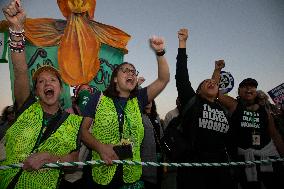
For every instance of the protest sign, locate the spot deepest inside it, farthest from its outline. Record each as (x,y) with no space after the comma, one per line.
(277,95)
(226,82)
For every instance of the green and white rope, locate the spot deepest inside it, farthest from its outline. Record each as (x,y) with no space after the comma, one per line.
(155,164)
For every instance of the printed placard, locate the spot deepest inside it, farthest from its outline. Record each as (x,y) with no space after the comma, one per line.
(277,95)
(226,82)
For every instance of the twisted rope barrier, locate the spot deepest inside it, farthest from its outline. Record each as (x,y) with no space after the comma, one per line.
(155,164)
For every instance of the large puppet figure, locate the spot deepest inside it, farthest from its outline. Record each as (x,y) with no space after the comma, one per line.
(79,39)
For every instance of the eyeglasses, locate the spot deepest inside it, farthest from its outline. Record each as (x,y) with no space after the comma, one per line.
(127,70)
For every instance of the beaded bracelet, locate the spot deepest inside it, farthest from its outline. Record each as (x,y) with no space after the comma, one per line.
(16,46)
(16,33)
(17,49)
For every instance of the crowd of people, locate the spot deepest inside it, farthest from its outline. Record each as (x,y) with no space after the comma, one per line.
(122,123)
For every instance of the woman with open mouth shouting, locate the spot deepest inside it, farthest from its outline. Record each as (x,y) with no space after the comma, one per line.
(117,129)
(42,132)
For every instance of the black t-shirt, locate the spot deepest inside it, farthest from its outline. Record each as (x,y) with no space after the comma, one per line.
(248,125)
(205,124)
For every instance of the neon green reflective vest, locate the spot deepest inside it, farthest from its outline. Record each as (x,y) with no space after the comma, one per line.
(106,129)
(20,140)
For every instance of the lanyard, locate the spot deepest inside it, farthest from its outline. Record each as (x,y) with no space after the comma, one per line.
(253,122)
(45,123)
(127,121)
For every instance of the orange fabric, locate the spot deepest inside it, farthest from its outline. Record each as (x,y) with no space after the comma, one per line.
(110,35)
(79,39)
(67,7)
(78,52)
(43,31)
(3,25)
(48,32)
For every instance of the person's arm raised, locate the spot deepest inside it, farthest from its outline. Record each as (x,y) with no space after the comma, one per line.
(182,37)
(16,16)
(229,102)
(154,89)
(183,84)
(219,65)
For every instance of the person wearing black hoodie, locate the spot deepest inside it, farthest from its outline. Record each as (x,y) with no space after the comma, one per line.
(205,126)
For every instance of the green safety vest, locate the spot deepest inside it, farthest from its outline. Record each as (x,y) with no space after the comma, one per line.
(20,141)
(106,129)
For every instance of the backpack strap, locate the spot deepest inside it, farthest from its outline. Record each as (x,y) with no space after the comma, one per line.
(101,95)
(54,125)
(51,128)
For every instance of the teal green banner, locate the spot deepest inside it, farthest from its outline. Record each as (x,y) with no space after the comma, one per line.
(39,56)
(3,47)
(109,58)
